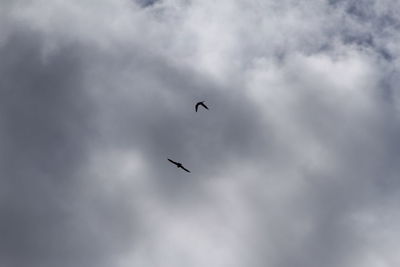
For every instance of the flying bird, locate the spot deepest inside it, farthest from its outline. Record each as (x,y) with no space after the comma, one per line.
(178,165)
(200,104)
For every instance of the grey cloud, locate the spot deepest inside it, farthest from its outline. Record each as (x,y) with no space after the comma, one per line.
(47,217)
(146,3)
(296,156)
(370,24)
(158,118)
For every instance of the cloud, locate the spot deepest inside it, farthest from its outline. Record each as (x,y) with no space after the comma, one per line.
(294,163)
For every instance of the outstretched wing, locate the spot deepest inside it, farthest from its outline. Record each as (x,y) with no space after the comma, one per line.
(197,106)
(204,105)
(176,163)
(185,169)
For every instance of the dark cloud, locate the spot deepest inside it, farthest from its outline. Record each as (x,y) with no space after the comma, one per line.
(156,117)
(295,163)
(48,217)
(146,3)
(368,24)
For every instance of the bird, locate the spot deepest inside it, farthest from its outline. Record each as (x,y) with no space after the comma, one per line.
(200,104)
(178,165)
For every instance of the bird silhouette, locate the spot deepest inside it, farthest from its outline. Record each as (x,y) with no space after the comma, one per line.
(200,104)
(178,165)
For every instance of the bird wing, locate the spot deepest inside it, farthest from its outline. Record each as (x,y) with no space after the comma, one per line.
(185,169)
(204,105)
(176,163)
(197,106)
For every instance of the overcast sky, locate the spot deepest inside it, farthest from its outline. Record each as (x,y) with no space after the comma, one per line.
(297,162)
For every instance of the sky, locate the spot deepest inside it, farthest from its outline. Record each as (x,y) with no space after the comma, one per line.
(296,162)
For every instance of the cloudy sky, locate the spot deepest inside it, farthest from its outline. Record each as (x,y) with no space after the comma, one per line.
(295,164)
